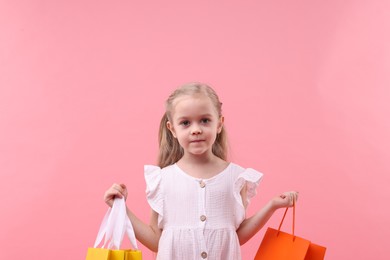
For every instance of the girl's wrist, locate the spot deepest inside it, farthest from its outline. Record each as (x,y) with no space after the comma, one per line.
(272,205)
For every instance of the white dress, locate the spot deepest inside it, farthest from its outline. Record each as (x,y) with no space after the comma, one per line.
(199,217)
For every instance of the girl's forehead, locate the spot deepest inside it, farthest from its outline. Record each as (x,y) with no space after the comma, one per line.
(193,104)
(188,99)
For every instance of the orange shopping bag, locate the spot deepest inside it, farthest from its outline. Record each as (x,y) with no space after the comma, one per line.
(278,245)
(113,228)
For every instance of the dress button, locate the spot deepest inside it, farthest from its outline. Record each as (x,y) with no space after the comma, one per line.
(203,255)
(202,184)
(203,218)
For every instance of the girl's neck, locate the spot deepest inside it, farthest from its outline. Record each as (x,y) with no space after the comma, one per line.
(203,159)
(203,167)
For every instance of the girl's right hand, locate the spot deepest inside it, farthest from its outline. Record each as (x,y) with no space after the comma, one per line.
(286,199)
(115,191)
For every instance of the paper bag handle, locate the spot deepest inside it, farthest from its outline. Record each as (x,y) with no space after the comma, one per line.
(114,226)
(293,222)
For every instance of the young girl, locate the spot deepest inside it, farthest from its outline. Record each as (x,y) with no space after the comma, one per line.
(198,199)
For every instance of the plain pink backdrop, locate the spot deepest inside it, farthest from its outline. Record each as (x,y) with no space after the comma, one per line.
(305,87)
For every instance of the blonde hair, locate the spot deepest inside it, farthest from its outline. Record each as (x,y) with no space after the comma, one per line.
(170,151)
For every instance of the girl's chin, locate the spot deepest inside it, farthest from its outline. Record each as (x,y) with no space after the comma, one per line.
(199,152)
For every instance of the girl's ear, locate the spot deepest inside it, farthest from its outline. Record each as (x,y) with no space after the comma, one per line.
(220,124)
(171,129)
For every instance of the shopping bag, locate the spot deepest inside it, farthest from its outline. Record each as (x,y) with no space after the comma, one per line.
(279,245)
(111,254)
(113,228)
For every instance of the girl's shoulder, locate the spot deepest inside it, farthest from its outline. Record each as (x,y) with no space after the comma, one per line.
(168,169)
(240,167)
(245,172)
(237,168)
(158,171)
(151,167)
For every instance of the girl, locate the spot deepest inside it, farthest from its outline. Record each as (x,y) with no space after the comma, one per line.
(198,199)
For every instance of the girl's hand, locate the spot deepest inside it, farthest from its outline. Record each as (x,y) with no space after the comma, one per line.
(116,190)
(286,199)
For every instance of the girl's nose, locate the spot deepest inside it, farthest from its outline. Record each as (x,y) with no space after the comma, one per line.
(196,130)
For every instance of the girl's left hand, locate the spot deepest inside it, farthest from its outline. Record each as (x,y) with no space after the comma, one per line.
(286,199)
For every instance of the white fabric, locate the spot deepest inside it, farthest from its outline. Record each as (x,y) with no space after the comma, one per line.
(180,201)
(114,226)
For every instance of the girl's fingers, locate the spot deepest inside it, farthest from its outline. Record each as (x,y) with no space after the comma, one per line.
(116,190)
(122,190)
(290,197)
(293,197)
(287,199)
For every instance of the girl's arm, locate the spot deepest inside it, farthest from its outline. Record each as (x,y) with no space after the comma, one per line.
(250,226)
(148,235)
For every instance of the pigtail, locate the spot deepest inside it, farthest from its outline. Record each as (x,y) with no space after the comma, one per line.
(220,146)
(170,151)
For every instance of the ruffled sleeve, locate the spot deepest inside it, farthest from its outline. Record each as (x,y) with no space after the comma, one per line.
(154,194)
(248,179)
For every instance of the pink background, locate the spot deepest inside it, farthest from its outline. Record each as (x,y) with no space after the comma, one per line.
(305,87)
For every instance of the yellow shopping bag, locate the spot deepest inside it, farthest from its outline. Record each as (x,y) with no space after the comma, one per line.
(113,228)
(110,254)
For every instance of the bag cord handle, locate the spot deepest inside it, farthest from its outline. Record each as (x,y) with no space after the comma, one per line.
(293,223)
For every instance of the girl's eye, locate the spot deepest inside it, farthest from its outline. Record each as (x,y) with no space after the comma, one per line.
(205,120)
(185,123)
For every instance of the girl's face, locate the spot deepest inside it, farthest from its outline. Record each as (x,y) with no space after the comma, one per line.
(195,123)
